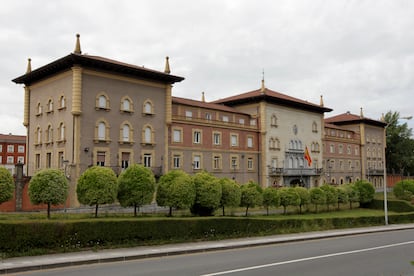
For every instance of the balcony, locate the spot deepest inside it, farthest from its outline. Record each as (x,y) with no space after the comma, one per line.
(294,171)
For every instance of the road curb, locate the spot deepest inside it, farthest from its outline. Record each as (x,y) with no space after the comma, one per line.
(25,264)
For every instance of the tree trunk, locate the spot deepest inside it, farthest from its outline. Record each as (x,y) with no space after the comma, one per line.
(170,212)
(284,210)
(267,210)
(96,210)
(135,210)
(48,210)
(247,210)
(223,211)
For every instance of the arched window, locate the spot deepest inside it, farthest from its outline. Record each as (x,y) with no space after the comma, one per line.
(50,105)
(62,102)
(61,131)
(126,104)
(147,135)
(273,120)
(39,109)
(101,131)
(126,132)
(314,127)
(49,134)
(148,107)
(38,135)
(102,101)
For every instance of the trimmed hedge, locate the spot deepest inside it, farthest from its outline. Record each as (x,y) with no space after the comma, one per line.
(49,236)
(398,206)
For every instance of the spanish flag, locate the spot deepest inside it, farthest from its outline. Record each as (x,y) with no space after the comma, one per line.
(307,157)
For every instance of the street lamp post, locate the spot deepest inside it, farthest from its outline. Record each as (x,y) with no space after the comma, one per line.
(385,173)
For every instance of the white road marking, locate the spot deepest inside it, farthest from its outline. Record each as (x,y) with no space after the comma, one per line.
(307,259)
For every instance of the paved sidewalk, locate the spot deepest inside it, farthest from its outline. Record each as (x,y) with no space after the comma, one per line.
(20,264)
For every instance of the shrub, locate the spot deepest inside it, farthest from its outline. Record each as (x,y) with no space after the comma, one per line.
(208,194)
(230,193)
(136,186)
(48,186)
(270,198)
(404,189)
(175,190)
(366,191)
(6,185)
(97,185)
(251,195)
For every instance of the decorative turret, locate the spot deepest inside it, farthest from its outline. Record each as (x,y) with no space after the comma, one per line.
(77,46)
(203,99)
(29,65)
(321,101)
(167,65)
(263,88)
(361,113)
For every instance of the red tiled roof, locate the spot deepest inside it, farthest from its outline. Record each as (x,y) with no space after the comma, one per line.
(271,96)
(97,62)
(208,105)
(11,137)
(348,118)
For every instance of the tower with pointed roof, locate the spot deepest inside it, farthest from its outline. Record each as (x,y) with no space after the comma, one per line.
(83,110)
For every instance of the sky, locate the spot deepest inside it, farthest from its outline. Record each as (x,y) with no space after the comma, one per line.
(356,53)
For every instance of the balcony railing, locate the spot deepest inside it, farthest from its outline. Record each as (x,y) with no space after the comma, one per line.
(294,171)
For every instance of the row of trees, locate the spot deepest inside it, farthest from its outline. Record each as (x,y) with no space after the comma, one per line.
(202,193)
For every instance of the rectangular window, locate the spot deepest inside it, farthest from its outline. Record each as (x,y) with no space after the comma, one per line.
(48,160)
(208,116)
(341,149)
(1,148)
(196,162)
(147,160)
(241,121)
(234,163)
(249,142)
(125,160)
(20,159)
(233,140)
(216,138)
(10,148)
(197,137)
(188,114)
(20,149)
(60,159)
(176,136)
(253,122)
(176,161)
(216,162)
(10,160)
(225,118)
(100,158)
(331,148)
(250,163)
(37,161)
(356,150)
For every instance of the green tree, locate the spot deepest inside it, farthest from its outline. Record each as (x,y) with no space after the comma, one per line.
(251,195)
(230,193)
(366,192)
(6,185)
(353,193)
(270,198)
(175,190)
(342,196)
(96,186)
(136,187)
(317,197)
(304,197)
(404,189)
(331,194)
(288,197)
(208,194)
(399,154)
(48,186)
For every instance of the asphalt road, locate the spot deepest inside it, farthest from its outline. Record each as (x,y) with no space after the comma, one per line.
(384,253)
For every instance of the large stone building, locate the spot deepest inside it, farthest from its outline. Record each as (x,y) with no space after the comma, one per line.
(83,110)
